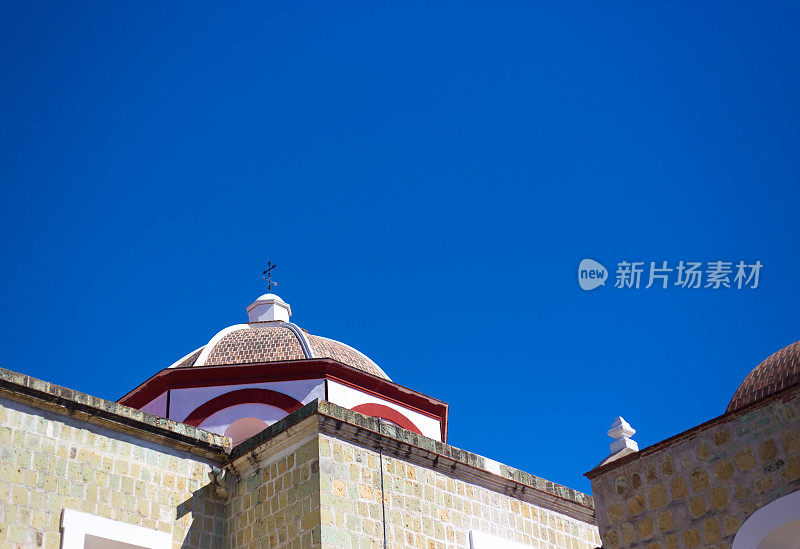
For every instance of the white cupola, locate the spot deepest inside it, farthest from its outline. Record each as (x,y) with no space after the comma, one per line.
(269,308)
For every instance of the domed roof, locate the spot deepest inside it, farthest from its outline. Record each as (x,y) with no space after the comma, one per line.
(778,371)
(273,341)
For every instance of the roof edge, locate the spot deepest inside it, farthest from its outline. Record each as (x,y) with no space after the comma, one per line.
(117,417)
(334,420)
(208,348)
(604,466)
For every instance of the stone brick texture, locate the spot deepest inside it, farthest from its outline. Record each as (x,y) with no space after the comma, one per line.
(276,504)
(698,490)
(425,508)
(51,462)
(293,486)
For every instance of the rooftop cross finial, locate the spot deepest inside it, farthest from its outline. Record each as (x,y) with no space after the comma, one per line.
(267,275)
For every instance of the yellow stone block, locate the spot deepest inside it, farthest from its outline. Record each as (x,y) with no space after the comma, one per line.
(678,486)
(340,488)
(745,460)
(646,528)
(722,437)
(792,470)
(672,541)
(731,523)
(628,534)
(657,494)
(711,527)
(611,538)
(40,462)
(697,506)
(767,450)
(19,495)
(762,484)
(699,480)
(665,521)
(719,497)
(692,538)
(636,505)
(29,479)
(614,512)
(791,442)
(723,469)
(703,451)
(14,475)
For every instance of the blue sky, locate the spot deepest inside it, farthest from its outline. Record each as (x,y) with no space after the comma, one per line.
(428,177)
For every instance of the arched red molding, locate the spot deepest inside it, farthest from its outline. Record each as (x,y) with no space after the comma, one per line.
(242,396)
(389,414)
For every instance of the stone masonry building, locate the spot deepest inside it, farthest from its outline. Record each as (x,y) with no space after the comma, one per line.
(733,481)
(266,437)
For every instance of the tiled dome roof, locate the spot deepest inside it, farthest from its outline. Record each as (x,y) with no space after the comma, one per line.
(274,342)
(328,348)
(250,345)
(778,371)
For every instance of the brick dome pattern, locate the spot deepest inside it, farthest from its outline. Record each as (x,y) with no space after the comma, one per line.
(274,344)
(323,347)
(252,345)
(777,372)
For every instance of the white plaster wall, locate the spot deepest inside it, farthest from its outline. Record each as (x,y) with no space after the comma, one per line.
(773,526)
(157,406)
(482,540)
(184,401)
(349,398)
(218,422)
(84,531)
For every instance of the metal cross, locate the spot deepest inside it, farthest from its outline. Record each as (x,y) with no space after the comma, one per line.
(267,275)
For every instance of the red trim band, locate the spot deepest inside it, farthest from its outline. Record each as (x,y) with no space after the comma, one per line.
(242,396)
(208,376)
(390,414)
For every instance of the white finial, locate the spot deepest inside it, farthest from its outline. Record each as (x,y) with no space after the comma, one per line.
(621,431)
(268,308)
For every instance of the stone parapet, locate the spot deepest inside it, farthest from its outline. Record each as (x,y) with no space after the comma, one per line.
(112,415)
(423,451)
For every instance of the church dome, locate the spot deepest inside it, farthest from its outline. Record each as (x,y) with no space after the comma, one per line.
(270,337)
(777,372)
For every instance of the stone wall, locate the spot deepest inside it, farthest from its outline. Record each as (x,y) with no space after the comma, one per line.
(697,489)
(312,479)
(426,508)
(50,462)
(274,493)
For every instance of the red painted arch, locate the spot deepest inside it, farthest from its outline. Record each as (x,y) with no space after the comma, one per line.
(263,372)
(390,414)
(242,396)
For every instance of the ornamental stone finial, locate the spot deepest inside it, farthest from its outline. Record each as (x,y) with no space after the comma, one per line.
(621,431)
